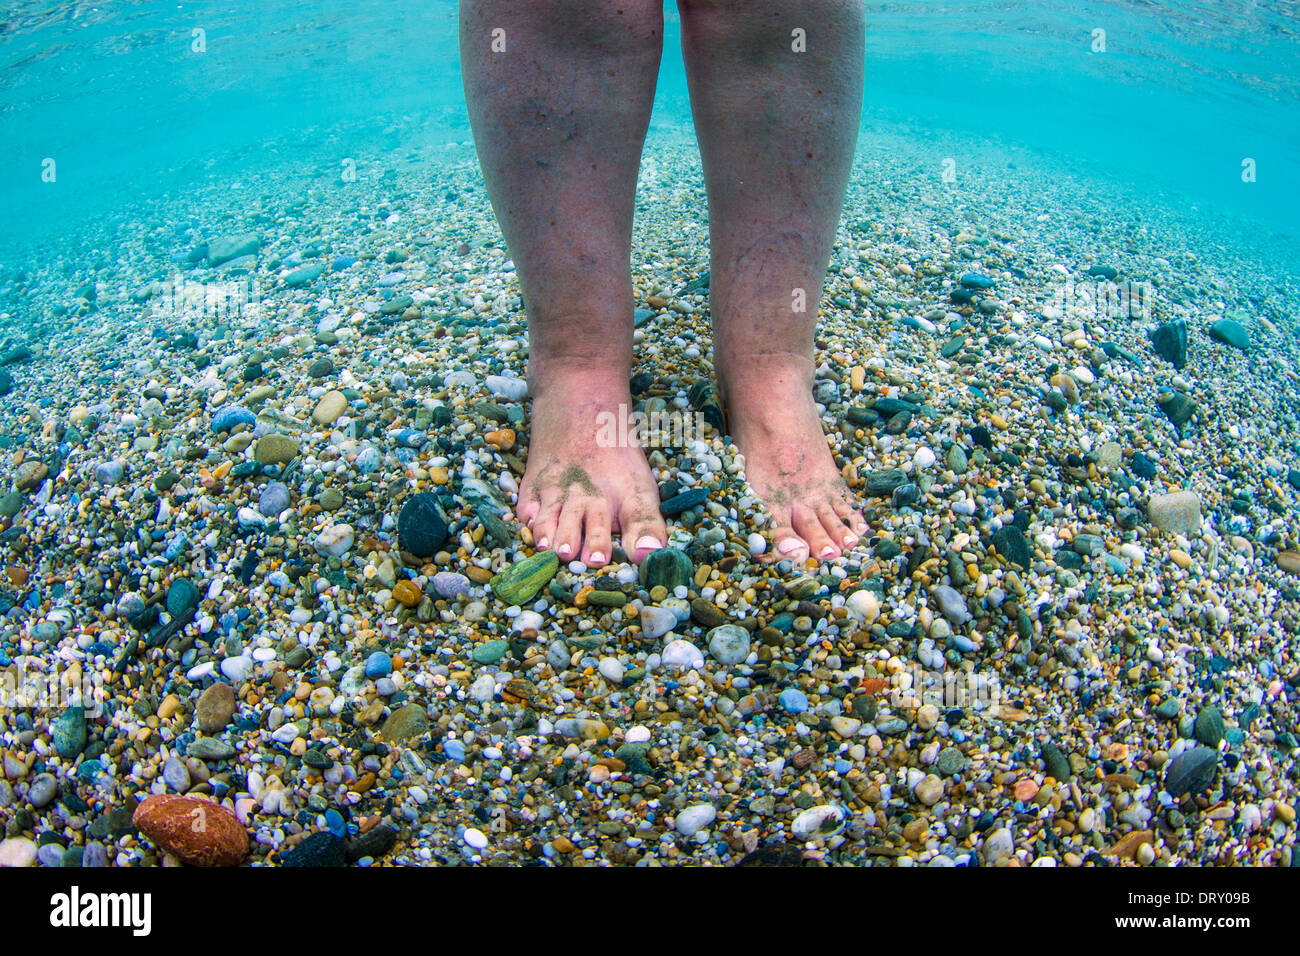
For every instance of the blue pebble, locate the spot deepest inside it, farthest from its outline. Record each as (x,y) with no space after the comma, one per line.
(378,665)
(95,856)
(335,824)
(793,701)
(842,766)
(385,687)
(50,855)
(454,749)
(176,546)
(410,438)
(963,643)
(109,472)
(232,416)
(273,499)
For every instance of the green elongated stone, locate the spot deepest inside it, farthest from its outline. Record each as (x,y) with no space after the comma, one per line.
(489,652)
(607,598)
(520,582)
(667,566)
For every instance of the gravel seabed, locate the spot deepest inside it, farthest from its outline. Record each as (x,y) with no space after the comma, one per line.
(1121,694)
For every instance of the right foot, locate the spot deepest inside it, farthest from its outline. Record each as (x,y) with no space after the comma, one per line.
(575,492)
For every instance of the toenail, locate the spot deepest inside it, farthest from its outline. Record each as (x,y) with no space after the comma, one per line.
(597,557)
(563,550)
(828,551)
(790,546)
(850,540)
(543,542)
(647,543)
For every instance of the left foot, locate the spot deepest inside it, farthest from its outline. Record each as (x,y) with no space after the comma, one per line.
(773,418)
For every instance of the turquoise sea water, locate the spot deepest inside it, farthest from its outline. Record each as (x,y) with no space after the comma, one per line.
(138,100)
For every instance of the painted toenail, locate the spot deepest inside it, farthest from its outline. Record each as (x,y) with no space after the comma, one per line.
(790,546)
(597,557)
(850,540)
(828,552)
(563,550)
(648,543)
(543,542)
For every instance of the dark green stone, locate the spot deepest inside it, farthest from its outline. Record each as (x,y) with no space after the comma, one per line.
(1055,762)
(1192,771)
(881,484)
(1010,542)
(667,567)
(69,732)
(1209,728)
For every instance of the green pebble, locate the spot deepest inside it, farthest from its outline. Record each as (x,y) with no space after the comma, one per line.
(489,652)
(519,583)
(1209,727)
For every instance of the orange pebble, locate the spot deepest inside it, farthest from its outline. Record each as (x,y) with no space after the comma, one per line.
(503,439)
(1026,790)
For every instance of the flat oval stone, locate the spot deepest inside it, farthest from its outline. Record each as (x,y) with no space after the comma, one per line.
(209,748)
(421,527)
(489,652)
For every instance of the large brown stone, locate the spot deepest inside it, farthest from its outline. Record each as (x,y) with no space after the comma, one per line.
(197,832)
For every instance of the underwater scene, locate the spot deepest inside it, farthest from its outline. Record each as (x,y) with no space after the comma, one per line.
(632,434)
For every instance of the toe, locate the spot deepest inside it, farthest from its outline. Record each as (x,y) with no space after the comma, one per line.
(596,535)
(641,528)
(851,517)
(786,543)
(835,527)
(545,522)
(528,505)
(808,526)
(568,530)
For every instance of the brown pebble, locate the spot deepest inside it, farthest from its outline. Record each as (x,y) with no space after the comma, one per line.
(197,832)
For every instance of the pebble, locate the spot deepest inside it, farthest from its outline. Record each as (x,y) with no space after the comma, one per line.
(17,851)
(695,818)
(197,832)
(682,654)
(728,644)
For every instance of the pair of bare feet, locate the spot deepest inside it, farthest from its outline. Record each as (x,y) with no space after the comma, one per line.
(577,494)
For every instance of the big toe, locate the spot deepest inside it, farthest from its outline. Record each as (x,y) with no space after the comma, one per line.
(641,527)
(787,543)
(809,527)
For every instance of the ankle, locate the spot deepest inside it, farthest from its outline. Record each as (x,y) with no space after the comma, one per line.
(575,379)
(755,376)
